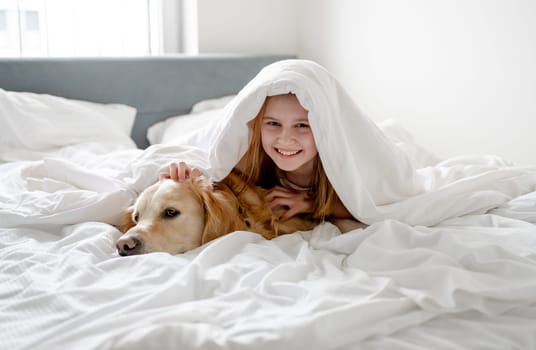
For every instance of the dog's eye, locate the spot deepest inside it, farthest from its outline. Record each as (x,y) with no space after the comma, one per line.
(170,213)
(135,217)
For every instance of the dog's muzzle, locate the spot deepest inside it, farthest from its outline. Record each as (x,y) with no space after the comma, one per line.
(129,245)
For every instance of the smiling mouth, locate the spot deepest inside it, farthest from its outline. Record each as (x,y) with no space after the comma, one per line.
(287,153)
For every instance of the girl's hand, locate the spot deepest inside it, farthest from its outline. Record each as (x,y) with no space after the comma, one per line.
(296,201)
(180,172)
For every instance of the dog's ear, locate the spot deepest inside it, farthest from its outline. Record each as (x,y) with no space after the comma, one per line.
(126,221)
(220,214)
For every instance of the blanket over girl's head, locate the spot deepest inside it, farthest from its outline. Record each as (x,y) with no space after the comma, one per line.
(374,177)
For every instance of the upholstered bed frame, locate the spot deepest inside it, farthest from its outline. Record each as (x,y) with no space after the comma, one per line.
(157,86)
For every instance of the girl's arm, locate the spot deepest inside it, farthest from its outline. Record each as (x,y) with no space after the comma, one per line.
(296,202)
(301,202)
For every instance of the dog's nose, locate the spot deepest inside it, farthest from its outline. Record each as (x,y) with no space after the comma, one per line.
(128,246)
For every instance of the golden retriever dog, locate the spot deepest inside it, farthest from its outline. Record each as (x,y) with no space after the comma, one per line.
(176,217)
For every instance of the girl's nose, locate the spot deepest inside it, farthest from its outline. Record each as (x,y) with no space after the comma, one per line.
(286,136)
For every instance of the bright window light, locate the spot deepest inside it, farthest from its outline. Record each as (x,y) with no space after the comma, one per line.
(68,28)
(3,22)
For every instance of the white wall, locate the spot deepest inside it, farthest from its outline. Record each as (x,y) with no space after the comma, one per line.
(247,26)
(459,74)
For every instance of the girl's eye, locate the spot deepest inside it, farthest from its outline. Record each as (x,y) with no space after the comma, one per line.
(272,123)
(302,125)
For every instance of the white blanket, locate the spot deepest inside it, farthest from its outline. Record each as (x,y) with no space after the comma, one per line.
(374,177)
(467,283)
(464,283)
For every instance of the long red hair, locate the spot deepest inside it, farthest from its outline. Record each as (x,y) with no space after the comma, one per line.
(257,167)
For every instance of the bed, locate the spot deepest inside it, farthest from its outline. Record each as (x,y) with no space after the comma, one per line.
(464,283)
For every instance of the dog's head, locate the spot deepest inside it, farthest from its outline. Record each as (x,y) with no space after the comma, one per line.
(175,217)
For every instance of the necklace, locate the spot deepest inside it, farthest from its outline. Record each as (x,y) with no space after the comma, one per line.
(289,184)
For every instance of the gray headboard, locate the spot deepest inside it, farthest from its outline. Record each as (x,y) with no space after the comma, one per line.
(157,86)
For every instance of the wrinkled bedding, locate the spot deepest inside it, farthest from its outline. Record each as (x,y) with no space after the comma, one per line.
(466,282)
(452,268)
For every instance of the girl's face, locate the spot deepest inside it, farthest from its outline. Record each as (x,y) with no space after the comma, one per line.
(286,135)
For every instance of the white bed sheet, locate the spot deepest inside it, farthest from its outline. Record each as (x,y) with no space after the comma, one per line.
(465,283)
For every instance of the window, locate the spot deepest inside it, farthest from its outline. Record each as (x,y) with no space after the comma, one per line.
(31,21)
(3,23)
(81,27)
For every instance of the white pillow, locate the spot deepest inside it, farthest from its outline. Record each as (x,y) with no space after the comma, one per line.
(36,124)
(180,128)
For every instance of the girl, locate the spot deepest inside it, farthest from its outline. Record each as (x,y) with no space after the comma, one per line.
(282,157)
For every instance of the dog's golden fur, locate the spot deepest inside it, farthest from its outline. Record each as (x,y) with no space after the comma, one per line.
(175,217)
